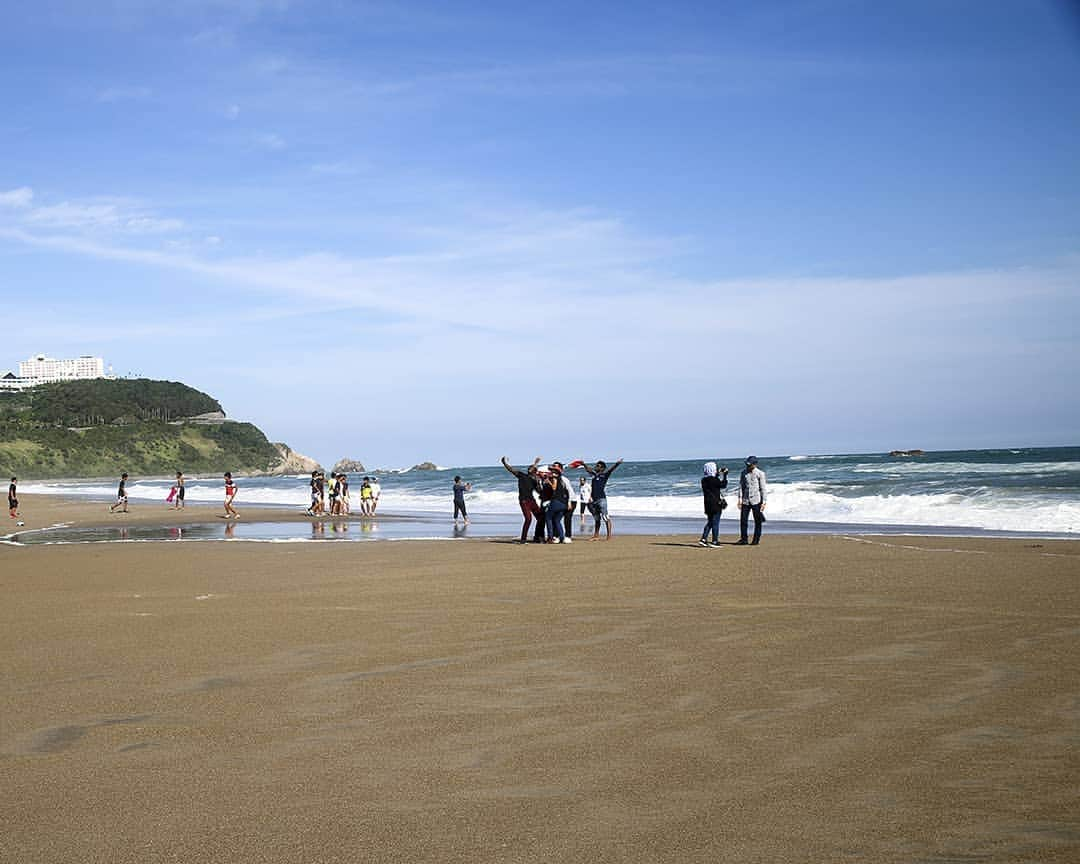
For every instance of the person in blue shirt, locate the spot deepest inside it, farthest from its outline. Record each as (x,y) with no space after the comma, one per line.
(600,474)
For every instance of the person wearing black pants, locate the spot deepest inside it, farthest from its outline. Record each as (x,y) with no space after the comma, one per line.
(752,491)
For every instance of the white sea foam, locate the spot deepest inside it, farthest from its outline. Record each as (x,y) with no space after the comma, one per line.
(1019,469)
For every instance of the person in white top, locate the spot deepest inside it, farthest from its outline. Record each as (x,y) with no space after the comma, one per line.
(376,491)
(584,497)
(752,492)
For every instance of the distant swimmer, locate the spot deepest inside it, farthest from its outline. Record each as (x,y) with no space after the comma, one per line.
(460,488)
(13,499)
(121,495)
(600,476)
(752,491)
(713,484)
(230,496)
(528,484)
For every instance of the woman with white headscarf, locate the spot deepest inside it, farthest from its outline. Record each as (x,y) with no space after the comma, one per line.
(712,487)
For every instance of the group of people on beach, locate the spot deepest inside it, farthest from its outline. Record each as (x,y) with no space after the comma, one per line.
(547,495)
(177,493)
(752,494)
(337,490)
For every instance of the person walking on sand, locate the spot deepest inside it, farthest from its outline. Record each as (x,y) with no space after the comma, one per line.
(230,496)
(316,505)
(713,485)
(600,475)
(752,492)
(527,486)
(460,488)
(121,495)
(178,502)
(13,499)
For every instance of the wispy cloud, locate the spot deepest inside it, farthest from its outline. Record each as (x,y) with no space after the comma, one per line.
(17,198)
(107,216)
(125,94)
(270,141)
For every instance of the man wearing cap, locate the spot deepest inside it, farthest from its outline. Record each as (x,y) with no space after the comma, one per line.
(752,493)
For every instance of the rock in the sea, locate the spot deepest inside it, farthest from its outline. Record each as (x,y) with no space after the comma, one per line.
(425,466)
(292,462)
(348,466)
(907,452)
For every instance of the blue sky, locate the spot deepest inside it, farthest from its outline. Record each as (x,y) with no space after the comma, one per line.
(449,231)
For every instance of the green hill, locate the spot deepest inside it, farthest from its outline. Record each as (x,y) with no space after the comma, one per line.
(100,427)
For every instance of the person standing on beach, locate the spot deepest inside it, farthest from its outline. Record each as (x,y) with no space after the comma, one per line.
(365,497)
(121,495)
(527,486)
(230,496)
(13,499)
(178,503)
(600,475)
(316,506)
(584,498)
(558,506)
(376,491)
(712,487)
(752,491)
(460,488)
(333,494)
(343,493)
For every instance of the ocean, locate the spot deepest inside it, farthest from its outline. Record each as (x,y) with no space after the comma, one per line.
(1015,490)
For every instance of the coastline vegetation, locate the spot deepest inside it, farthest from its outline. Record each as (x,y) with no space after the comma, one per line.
(97,428)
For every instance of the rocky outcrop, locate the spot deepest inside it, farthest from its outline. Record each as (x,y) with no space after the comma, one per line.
(292,462)
(907,452)
(349,466)
(425,466)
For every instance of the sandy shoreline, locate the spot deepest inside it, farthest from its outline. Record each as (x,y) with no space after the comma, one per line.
(816,698)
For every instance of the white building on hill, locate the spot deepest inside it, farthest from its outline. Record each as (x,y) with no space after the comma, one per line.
(47,370)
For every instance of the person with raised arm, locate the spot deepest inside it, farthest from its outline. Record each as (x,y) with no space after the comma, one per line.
(527,486)
(600,473)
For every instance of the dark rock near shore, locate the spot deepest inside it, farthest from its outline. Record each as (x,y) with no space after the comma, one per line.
(348,466)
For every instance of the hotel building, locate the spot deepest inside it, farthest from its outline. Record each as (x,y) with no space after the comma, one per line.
(47,370)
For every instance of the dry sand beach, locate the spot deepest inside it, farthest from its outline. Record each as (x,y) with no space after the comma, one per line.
(814,699)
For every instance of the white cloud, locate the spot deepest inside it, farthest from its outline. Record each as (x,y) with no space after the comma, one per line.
(17,198)
(115,216)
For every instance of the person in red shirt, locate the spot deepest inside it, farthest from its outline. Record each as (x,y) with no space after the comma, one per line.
(230,494)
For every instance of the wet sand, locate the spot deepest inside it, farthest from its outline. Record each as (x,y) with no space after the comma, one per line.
(813,699)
